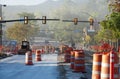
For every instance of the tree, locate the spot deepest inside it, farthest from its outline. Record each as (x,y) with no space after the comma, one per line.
(30,16)
(111,25)
(114,5)
(87,39)
(19,32)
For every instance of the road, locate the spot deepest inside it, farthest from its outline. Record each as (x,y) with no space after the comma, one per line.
(49,68)
(14,68)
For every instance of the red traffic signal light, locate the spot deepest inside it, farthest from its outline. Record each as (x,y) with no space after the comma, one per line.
(75,21)
(25,19)
(43,19)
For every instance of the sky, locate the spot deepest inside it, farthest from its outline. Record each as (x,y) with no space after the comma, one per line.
(22,2)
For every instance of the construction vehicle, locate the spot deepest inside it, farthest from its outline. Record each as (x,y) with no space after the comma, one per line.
(24,48)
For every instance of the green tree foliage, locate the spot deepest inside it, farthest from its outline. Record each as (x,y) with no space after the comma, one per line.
(87,38)
(19,32)
(112,23)
(103,34)
(110,27)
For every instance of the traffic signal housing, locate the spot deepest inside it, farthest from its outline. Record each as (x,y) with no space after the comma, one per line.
(25,19)
(75,21)
(43,19)
(91,21)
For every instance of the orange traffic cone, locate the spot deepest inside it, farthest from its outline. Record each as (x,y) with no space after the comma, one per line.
(38,55)
(28,60)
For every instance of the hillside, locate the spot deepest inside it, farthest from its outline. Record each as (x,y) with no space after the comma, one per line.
(86,8)
(11,12)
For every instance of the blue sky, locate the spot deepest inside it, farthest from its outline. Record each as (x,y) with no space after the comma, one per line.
(22,2)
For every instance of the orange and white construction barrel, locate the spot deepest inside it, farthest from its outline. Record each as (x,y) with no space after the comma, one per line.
(114,65)
(79,62)
(105,66)
(96,68)
(28,58)
(38,55)
(67,56)
(72,59)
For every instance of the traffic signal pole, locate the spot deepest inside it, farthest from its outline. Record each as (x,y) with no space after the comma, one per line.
(75,20)
(0,24)
(4,21)
(0,34)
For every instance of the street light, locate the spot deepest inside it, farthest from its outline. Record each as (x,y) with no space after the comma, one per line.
(1,10)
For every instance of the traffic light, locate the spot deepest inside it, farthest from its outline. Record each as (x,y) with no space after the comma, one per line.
(75,21)
(25,19)
(43,19)
(91,21)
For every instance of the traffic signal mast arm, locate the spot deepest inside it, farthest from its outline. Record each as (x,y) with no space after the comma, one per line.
(4,21)
(75,20)
(44,19)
